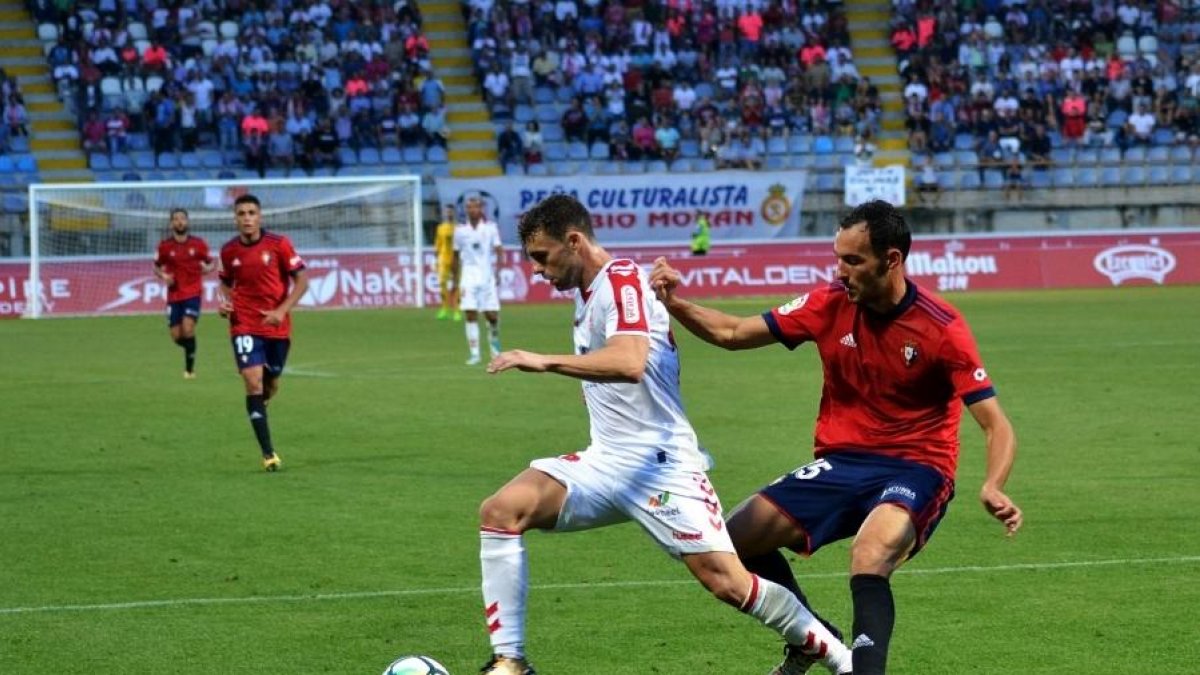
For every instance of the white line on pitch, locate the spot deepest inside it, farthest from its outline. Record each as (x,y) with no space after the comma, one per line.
(179,602)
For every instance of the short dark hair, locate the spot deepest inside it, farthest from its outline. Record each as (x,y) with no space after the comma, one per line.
(247,199)
(554,216)
(178,209)
(885,225)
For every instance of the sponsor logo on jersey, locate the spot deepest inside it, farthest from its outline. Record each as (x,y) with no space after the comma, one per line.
(980,374)
(1134,261)
(687,536)
(848,340)
(631,306)
(659,499)
(794,305)
(910,353)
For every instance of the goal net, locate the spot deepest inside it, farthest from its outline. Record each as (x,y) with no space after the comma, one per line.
(91,246)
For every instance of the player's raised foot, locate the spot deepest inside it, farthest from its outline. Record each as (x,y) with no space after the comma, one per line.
(272,463)
(502,665)
(443,314)
(795,662)
(473,361)
(189,375)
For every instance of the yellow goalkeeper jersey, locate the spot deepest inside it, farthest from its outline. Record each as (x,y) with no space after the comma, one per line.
(444,245)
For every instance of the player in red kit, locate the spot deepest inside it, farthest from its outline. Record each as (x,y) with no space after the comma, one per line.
(899,365)
(181,262)
(262,278)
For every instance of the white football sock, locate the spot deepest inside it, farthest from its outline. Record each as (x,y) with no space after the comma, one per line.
(473,338)
(776,607)
(505,585)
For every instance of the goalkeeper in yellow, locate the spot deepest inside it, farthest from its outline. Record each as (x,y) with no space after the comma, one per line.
(444,245)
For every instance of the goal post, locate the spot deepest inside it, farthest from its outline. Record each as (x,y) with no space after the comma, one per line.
(91,245)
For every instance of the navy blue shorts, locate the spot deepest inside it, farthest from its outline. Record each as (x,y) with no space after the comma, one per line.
(177,310)
(830,498)
(270,353)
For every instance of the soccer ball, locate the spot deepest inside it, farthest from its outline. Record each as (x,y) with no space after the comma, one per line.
(416,665)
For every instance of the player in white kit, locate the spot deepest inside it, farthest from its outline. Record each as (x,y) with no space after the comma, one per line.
(477,257)
(643,462)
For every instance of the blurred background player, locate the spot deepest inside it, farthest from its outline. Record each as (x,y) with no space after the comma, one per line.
(642,447)
(443,241)
(899,366)
(257,268)
(477,257)
(181,262)
(702,235)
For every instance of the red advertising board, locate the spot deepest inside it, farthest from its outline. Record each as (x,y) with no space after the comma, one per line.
(388,279)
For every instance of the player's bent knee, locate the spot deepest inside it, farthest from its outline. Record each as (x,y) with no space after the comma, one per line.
(872,557)
(720,577)
(502,513)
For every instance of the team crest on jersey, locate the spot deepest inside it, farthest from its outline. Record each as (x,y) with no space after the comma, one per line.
(191,253)
(794,305)
(237,262)
(910,353)
(622,268)
(266,258)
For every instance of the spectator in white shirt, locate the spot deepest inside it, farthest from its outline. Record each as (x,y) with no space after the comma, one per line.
(1140,126)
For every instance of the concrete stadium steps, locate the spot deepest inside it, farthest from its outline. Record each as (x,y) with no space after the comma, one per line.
(472,146)
(53,132)
(869,22)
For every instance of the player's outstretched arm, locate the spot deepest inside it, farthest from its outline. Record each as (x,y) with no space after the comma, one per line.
(712,326)
(621,359)
(1001,453)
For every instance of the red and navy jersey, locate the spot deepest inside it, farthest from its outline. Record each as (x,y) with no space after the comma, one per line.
(260,275)
(182,260)
(894,382)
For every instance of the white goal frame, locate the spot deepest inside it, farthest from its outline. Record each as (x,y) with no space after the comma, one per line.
(34,299)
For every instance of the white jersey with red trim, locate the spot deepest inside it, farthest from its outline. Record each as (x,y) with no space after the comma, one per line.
(643,420)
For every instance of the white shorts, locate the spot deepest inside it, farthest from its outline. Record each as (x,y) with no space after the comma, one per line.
(480,297)
(678,507)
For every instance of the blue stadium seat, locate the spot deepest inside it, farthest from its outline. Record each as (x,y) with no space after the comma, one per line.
(391,155)
(778,162)
(1181,174)
(543,95)
(993,179)
(777,145)
(1062,155)
(825,162)
(168,160)
(369,156)
(944,160)
(577,150)
(829,182)
(348,156)
(138,141)
(143,160)
(211,159)
(1087,156)
(439,170)
(1135,153)
(178,175)
(514,169)
(134,177)
(554,152)
(948,180)
(823,145)
(121,161)
(564,168)
(564,94)
(1158,175)
(9,181)
(599,150)
(547,113)
(189,160)
(16,202)
(552,133)
(18,144)
(704,90)
(1158,154)
(689,148)
(1110,156)
(1063,177)
(1039,179)
(523,114)
(1085,176)
(1162,136)
(843,144)
(1135,175)
(964,142)
(225,174)
(1110,176)
(966,158)
(1117,119)
(538,170)
(704,164)
(681,165)
(98,161)
(634,167)
(413,155)
(800,143)
(608,168)
(26,163)
(1181,154)
(436,154)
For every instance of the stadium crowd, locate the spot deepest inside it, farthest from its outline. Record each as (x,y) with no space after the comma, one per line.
(654,80)
(1036,83)
(284,84)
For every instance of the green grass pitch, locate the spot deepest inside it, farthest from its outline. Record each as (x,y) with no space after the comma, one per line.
(139,535)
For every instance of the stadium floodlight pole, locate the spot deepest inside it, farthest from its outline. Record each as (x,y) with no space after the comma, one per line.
(384,214)
(33,296)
